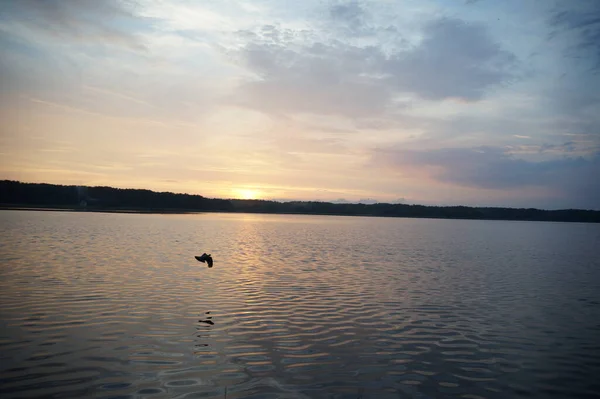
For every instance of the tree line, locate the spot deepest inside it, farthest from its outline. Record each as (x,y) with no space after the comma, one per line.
(19,194)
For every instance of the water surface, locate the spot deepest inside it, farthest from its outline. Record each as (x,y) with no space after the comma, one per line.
(115,305)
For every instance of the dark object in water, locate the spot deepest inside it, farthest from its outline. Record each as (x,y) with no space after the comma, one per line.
(205,258)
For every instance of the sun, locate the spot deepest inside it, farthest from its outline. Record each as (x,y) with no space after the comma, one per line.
(245,193)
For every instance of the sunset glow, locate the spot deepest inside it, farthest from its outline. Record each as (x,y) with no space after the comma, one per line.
(247,194)
(470,102)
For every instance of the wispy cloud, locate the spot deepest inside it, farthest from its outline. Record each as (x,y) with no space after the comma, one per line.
(81,21)
(116,95)
(582,21)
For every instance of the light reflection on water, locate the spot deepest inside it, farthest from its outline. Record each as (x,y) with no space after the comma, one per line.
(114,305)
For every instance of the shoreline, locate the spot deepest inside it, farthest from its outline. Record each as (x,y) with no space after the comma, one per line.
(195,212)
(98,210)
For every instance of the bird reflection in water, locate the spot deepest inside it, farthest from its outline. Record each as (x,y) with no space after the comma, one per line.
(208,320)
(203,324)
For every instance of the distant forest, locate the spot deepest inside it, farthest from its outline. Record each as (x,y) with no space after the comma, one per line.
(14,194)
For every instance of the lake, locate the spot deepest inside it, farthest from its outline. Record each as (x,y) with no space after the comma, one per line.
(115,306)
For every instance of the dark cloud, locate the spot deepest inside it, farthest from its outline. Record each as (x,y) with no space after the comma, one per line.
(351,17)
(454,60)
(567,147)
(83,21)
(582,20)
(481,167)
(572,179)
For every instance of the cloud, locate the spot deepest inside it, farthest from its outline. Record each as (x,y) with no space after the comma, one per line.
(582,20)
(480,167)
(105,58)
(351,17)
(321,79)
(294,74)
(572,179)
(79,21)
(454,60)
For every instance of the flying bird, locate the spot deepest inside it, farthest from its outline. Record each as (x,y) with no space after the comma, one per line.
(205,258)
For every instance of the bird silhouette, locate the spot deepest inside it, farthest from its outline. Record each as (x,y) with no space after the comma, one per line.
(205,258)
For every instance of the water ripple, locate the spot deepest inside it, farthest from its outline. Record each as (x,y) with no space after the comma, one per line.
(115,306)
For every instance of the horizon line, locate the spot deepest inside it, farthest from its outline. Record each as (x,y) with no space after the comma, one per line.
(346,202)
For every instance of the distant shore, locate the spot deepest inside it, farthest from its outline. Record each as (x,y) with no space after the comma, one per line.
(142,211)
(52,197)
(97,210)
(154,211)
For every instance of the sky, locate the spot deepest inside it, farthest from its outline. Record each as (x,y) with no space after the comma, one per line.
(435,102)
